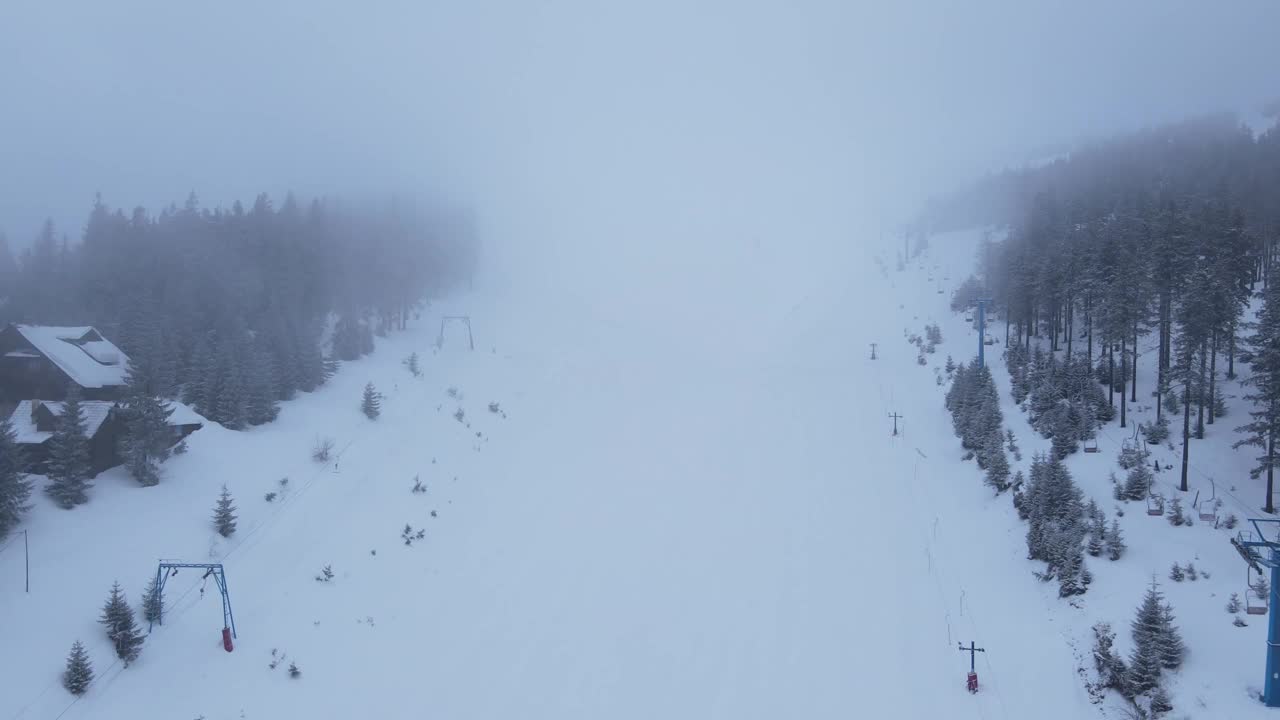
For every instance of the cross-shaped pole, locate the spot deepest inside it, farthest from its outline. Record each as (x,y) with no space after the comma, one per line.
(973,650)
(873,351)
(896,417)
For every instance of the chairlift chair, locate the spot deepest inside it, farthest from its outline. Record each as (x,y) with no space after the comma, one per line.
(988,340)
(1091,446)
(1208,508)
(1155,505)
(1253,604)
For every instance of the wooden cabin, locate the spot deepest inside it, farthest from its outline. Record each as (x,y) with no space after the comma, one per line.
(33,422)
(41,361)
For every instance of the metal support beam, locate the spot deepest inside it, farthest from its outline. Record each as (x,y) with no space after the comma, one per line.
(165,570)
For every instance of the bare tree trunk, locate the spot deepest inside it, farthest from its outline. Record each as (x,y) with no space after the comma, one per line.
(1071,330)
(1200,392)
(1270,508)
(1213,373)
(1186,425)
(1133,389)
(1231,354)
(1123,372)
(1111,374)
(1088,328)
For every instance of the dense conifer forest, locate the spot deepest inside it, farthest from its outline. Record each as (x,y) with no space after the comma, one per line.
(235,309)
(1161,242)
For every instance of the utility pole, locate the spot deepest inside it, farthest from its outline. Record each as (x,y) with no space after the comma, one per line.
(873,351)
(973,651)
(896,417)
(982,331)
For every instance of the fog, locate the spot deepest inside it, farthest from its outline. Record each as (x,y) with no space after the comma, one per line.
(592,131)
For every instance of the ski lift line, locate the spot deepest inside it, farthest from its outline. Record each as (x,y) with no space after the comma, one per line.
(934,572)
(178,610)
(1241,506)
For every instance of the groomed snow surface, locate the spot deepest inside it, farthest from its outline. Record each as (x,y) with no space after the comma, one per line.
(689,505)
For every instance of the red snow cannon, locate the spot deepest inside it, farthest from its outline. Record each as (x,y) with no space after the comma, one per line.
(973,682)
(228,646)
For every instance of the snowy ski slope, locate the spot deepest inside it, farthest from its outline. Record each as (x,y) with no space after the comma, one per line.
(691,508)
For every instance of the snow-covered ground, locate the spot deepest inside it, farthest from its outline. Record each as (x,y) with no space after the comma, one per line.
(689,505)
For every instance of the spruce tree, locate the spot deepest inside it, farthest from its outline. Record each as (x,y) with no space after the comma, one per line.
(371,405)
(997,464)
(1114,541)
(1110,667)
(224,513)
(122,629)
(1138,484)
(1055,508)
(1160,703)
(69,468)
(262,388)
(148,437)
(152,602)
(79,672)
(15,487)
(1169,644)
(1145,662)
(412,363)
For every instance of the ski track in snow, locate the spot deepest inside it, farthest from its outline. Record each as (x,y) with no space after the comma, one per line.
(693,507)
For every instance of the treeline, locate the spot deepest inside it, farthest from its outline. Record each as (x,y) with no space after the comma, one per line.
(232,309)
(1167,232)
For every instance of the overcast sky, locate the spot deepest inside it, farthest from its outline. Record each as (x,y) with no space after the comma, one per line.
(577,117)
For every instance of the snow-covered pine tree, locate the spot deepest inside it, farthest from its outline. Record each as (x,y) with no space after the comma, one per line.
(152,602)
(1176,573)
(1111,669)
(1157,432)
(224,513)
(79,672)
(371,405)
(1147,630)
(200,388)
(1056,524)
(1169,644)
(148,437)
(997,464)
(229,404)
(1138,484)
(1097,541)
(1160,703)
(1114,541)
(262,386)
(69,468)
(122,629)
(15,487)
(411,362)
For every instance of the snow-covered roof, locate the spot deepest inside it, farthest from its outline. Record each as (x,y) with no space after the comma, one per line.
(81,353)
(24,426)
(184,415)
